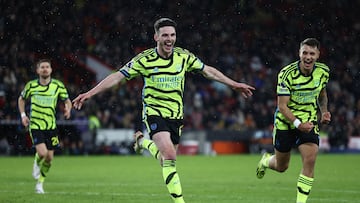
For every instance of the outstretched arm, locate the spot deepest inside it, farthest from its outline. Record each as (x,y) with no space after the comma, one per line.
(106,83)
(214,74)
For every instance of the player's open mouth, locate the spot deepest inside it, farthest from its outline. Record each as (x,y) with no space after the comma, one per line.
(308,63)
(168,45)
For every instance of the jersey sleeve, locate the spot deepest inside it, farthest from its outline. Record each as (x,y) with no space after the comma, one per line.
(25,92)
(196,65)
(193,63)
(283,87)
(326,74)
(63,94)
(131,69)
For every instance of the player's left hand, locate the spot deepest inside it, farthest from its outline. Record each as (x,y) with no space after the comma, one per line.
(325,117)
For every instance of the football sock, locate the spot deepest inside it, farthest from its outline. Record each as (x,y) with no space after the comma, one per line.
(266,161)
(304,185)
(38,159)
(150,145)
(41,179)
(172,180)
(44,169)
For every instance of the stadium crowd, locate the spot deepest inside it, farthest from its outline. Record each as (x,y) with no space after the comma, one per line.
(249,40)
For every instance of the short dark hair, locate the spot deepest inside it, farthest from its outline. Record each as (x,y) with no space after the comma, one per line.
(162,22)
(42,61)
(311,42)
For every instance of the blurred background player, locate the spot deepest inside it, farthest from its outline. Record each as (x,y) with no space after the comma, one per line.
(301,91)
(163,70)
(43,93)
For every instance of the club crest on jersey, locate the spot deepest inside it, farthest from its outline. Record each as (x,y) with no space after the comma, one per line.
(153,126)
(178,67)
(156,69)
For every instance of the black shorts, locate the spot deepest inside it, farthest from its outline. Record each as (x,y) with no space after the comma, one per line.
(156,124)
(49,137)
(285,140)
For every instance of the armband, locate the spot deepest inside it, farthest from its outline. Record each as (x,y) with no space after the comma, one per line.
(23,114)
(296,123)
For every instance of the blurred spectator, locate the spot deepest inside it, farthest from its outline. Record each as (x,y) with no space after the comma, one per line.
(94,125)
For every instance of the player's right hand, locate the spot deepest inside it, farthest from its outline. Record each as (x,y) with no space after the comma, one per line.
(306,127)
(25,121)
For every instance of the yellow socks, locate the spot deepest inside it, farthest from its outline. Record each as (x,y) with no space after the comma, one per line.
(172,180)
(38,159)
(304,185)
(170,175)
(150,145)
(44,167)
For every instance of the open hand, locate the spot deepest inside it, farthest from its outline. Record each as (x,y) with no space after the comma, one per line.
(79,100)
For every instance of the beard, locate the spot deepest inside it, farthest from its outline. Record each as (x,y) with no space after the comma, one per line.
(45,76)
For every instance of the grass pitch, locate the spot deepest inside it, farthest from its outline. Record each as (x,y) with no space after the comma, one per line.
(135,179)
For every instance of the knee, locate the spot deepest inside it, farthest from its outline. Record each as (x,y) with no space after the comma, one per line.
(42,154)
(169,153)
(48,159)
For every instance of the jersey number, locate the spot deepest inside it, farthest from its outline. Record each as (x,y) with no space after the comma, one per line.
(55,141)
